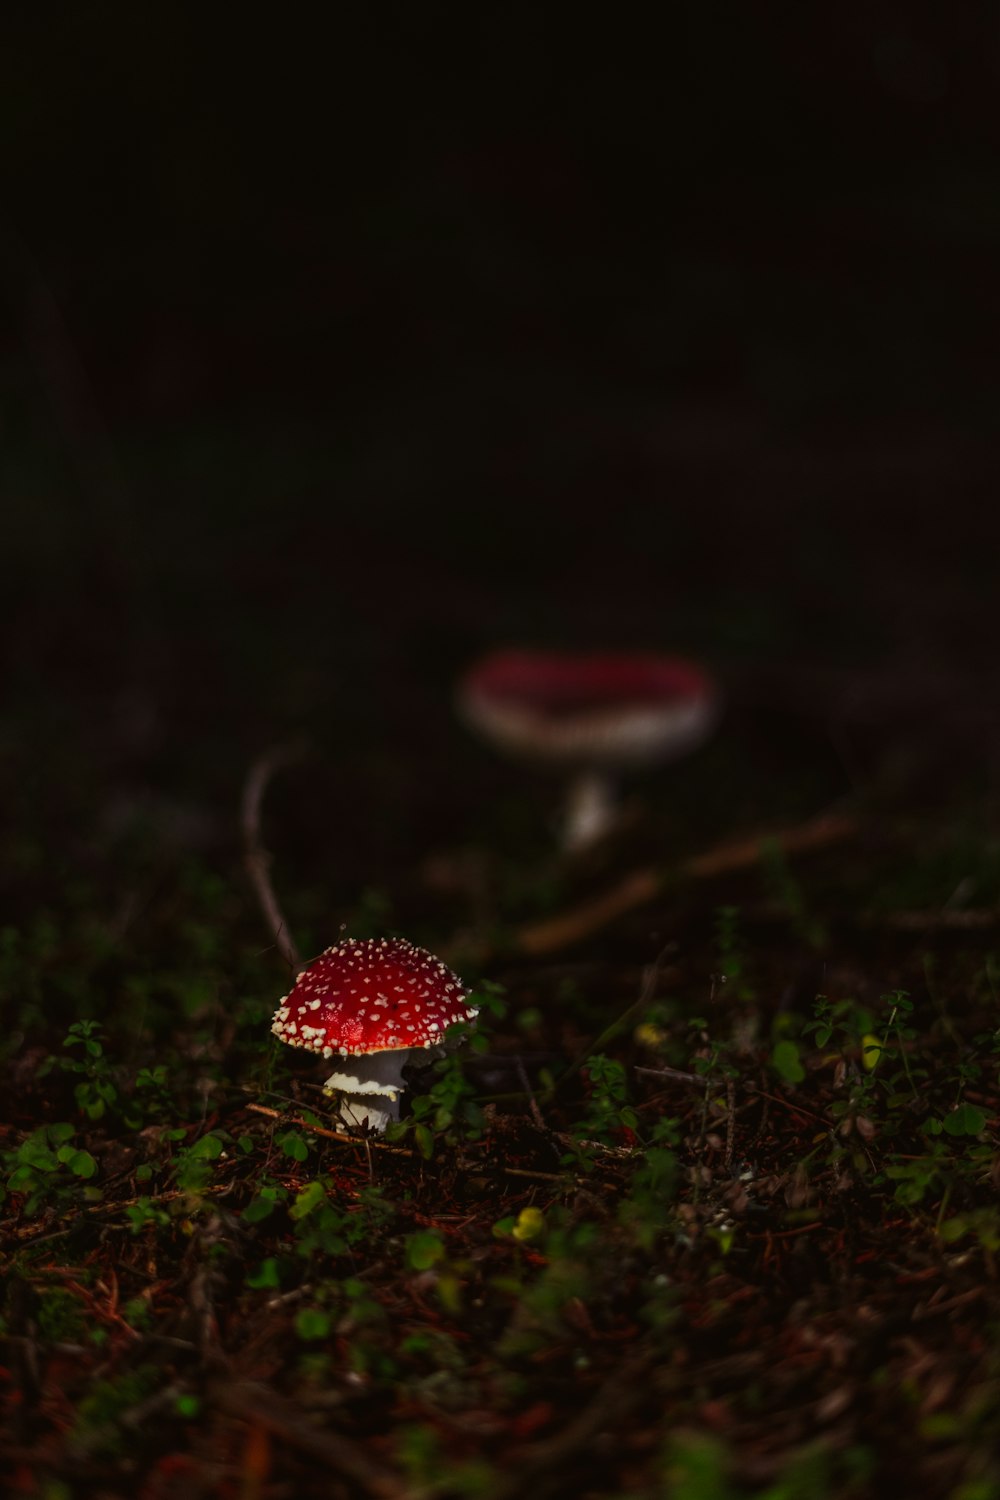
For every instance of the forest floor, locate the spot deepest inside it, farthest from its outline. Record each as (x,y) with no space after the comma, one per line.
(707,1207)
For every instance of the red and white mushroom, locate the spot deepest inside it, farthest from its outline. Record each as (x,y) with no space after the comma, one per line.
(593,714)
(376,1005)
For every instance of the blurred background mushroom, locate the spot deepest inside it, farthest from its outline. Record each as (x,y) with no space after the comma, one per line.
(592,717)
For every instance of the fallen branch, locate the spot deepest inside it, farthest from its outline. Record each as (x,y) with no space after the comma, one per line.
(643,886)
(380,1145)
(31,1234)
(675,1075)
(967,919)
(256,858)
(327,1135)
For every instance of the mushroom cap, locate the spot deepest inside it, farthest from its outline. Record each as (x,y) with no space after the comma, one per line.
(610,709)
(371,995)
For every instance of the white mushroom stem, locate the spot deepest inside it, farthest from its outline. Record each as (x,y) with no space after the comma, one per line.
(370,1085)
(368,1109)
(590,810)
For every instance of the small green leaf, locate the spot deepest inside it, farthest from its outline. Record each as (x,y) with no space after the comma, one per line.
(82,1164)
(965,1120)
(144,1212)
(258,1209)
(21,1180)
(193,1176)
(449,1291)
(34,1154)
(424,1250)
(294,1146)
(785,1062)
(209,1148)
(265,1276)
(312,1323)
(310,1198)
(424,1140)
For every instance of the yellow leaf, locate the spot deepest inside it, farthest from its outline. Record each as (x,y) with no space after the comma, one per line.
(530,1224)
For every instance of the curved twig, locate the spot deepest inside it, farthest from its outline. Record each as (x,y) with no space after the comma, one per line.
(256,857)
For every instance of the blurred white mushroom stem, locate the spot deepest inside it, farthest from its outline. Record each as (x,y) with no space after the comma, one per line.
(256,857)
(591,810)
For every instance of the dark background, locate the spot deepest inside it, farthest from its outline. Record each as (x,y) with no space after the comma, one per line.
(329,360)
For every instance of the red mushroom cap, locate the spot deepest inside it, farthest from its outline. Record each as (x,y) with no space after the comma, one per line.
(616,708)
(371,995)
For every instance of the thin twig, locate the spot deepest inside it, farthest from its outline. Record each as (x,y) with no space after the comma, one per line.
(935,1309)
(697,1080)
(256,857)
(787,1234)
(792,1105)
(765,1116)
(730,1121)
(525,1082)
(535,1176)
(968,919)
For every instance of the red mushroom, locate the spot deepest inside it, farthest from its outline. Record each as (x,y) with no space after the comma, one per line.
(597,714)
(375,1004)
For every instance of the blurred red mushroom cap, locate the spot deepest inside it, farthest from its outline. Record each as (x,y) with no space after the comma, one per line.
(611,708)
